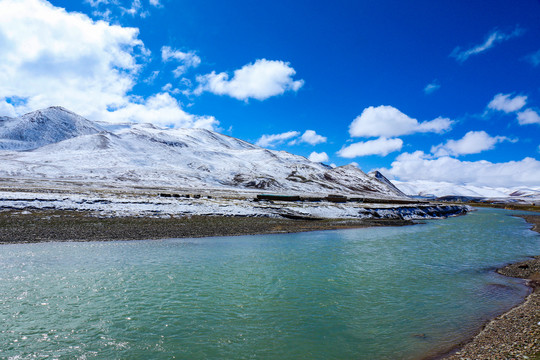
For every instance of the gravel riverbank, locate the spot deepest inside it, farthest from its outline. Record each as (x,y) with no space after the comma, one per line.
(515,334)
(54,225)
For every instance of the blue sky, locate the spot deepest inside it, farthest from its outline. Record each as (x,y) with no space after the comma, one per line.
(440,90)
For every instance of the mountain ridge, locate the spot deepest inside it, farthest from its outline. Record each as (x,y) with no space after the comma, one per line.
(73,148)
(435,189)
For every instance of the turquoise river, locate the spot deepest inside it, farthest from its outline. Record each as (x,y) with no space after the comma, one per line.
(377,293)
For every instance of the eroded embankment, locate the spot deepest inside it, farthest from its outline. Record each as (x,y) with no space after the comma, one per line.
(36,224)
(153,205)
(417,212)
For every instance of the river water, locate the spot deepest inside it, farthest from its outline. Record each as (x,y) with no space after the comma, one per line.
(377,293)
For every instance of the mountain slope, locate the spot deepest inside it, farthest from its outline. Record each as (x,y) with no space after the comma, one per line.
(146,155)
(377,175)
(43,127)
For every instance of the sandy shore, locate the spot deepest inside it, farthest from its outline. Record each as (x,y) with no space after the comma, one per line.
(54,225)
(515,334)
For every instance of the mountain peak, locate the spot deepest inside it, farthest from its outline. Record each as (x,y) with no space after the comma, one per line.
(43,127)
(377,175)
(57,108)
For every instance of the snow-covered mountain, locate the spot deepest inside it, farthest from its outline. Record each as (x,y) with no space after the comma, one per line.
(377,175)
(60,145)
(43,127)
(433,189)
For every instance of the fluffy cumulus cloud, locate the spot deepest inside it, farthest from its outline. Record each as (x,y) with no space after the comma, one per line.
(312,138)
(507,103)
(491,40)
(260,80)
(276,139)
(381,146)
(473,142)
(309,137)
(528,116)
(387,121)
(318,157)
(186,59)
(7,109)
(420,166)
(53,57)
(163,110)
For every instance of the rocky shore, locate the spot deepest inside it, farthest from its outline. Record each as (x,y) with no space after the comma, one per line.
(23,226)
(515,334)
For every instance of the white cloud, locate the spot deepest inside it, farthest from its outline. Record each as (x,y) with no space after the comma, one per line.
(167,54)
(473,142)
(381,146)
(534,58)
(276,139)
(432,87)
(97,3)
(170,89)
(504,102)
(387,121)
(7,109)
(491,40)
(318,157)
(310,137)
(105,15)
(53,57)
(528,116)
(260,80)
(419,166)
(134,9)
(186,59)
(113,9)
(130,7)
(163,110)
